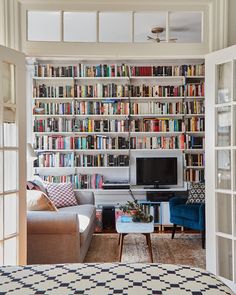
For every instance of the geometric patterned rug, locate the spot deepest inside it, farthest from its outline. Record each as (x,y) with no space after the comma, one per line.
(104,279)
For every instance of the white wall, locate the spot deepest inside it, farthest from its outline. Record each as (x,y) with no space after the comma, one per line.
(232,22)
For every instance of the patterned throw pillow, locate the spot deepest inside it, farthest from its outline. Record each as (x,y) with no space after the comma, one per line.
(61,194)
(196,194)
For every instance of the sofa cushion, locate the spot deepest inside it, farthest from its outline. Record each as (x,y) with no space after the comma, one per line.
(86,215)
(62,194)
(196,194)
(38,201)
(190,211)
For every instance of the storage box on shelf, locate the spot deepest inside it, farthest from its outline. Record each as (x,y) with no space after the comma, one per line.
(89,118)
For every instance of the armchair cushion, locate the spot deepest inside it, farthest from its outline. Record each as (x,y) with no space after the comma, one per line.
(38,201)
(196,194)
(190,212)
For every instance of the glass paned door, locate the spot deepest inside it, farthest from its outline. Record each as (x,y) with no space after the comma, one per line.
(12,158)
(221,164)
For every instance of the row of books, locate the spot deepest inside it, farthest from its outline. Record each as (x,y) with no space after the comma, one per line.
(65,108)
(104,70)
(157,125)
(49,142)
(54,160)
(101,160)
(195,124)
(101,90)
(43,90)
(195,89)
(153,107)
(101,108)
(194,175)
(91,142)
(194,107)
(115,90)
(175,70)
(98,142)
(48,70)
(158,142)
(80,181)
(114,70)
(194,142)
(144,90)
(195,160)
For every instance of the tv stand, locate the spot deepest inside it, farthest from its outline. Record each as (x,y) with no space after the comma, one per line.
(155,187)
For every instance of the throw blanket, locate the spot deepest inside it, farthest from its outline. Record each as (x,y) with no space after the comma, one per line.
(109,278)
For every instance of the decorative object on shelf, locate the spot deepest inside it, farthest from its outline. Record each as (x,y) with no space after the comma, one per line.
(139,212)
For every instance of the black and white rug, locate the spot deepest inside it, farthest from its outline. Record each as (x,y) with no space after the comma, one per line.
(104,279)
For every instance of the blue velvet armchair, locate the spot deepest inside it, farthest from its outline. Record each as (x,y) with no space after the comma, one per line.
(187,215)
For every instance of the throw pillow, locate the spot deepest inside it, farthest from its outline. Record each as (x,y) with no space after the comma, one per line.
(38,201)
(61,194)
(196,194)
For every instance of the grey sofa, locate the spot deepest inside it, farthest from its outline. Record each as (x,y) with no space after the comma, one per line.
(63,236)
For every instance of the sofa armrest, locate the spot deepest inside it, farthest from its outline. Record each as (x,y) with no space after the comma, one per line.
(85,198)
(48,222)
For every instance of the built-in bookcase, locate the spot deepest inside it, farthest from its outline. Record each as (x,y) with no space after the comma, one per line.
(88,119)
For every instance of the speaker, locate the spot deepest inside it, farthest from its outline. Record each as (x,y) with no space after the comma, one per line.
(108,217)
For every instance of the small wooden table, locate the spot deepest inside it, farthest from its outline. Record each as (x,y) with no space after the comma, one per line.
(125,228)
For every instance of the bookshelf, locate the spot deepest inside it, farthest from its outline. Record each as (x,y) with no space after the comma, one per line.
(88,119)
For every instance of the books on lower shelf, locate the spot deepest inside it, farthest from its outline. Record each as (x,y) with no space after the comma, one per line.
(154,107)
(195,142)
(80,181)
(55,159)
(43,90)
(49,142)
(196,160)
(101,108)
(48,70)
(195,107)
(194,175)
(158,142)
(101,160)
(195,89)
(157,125)
(195,124)
(65,108)
(145,90)
(101,90)
(102,142)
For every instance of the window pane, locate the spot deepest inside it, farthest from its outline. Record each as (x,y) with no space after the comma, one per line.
(9,126)
(44,25)
(1,217)
(224,169)
(224,215)
(1,171)
(145,22)
(185,27)
(10,251)
(223,116)
(80,26)
(225,258)
(224,73)
(115,27)
(8,83)
(10,170)
(10,214)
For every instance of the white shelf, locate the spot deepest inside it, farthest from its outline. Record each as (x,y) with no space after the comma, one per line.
(101,116)
(97,151)
(194,97)
(194,167)
(54,99)
(194,115)
(101,133)
(155,133)
(202,133)
(194,151)
(157,77)
(195,77)
(101,78)
(101,167)
(52,116)
(155,150)
(157,98)
(158,115)
(55,151)
(101,98)
(53,133)
(53,78)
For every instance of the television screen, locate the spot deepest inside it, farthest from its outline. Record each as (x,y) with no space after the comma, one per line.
(161,171)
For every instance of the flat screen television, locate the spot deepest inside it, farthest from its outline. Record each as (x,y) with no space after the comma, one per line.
(156,171)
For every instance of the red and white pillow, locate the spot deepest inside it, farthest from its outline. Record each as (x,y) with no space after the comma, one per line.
(61,194)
